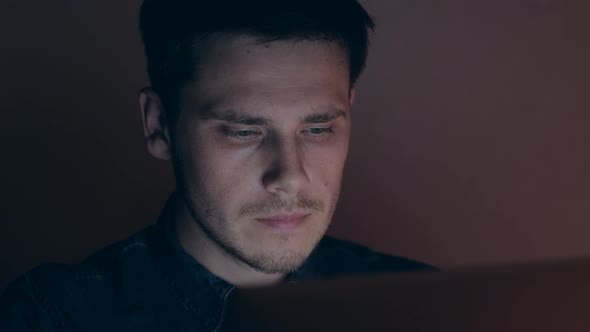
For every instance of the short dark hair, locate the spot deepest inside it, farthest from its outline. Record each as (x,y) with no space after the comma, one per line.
(169,29)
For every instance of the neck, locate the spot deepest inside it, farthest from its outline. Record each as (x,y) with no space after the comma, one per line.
(198,244)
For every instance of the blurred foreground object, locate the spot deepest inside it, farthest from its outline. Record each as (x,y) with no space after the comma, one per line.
(535,297)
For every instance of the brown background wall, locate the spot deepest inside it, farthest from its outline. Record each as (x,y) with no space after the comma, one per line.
(469,135)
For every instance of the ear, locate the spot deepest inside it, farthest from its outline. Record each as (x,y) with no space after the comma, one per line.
(155,126)
(351,96)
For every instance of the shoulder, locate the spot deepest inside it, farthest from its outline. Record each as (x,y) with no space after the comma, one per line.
(21,309)
(340,257)
(50,291)
(107,263)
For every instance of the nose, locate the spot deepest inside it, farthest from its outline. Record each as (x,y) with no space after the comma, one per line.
(285,175)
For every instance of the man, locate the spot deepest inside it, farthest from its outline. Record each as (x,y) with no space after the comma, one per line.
(250,101)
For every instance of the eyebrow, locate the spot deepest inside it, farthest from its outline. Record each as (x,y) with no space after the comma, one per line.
(237,117)
(324,117)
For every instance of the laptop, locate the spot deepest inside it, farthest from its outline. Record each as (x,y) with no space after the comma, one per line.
(548,296)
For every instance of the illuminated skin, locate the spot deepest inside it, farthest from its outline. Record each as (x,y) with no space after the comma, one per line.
(258,151)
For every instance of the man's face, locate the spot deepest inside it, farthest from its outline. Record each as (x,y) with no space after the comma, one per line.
(260,144)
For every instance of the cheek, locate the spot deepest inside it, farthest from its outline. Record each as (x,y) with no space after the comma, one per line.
(202,168)
(227,175)
(327,165)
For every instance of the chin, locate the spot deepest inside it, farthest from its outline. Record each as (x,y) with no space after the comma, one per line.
(284,262)
(284,255)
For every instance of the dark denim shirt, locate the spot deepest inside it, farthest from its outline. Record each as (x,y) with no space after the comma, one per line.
(149,283)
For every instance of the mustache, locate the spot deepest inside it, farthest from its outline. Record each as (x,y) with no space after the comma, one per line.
(275,204)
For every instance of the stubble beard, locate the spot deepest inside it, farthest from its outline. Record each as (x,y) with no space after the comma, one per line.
(278,258)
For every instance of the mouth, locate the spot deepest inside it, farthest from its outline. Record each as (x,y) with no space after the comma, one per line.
(284,222)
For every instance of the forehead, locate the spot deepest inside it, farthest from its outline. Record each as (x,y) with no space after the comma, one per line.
(244,70)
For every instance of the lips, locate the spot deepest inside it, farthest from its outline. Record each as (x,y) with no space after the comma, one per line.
(284,222)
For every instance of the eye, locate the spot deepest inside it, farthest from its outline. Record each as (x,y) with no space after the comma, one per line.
(318,131)
(241,133)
